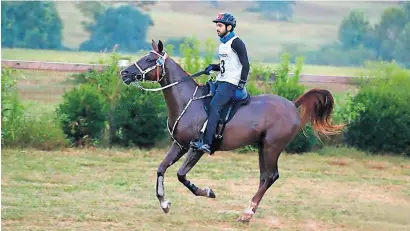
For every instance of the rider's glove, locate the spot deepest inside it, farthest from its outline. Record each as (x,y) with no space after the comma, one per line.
(208,69)
(211,67)
(241,84)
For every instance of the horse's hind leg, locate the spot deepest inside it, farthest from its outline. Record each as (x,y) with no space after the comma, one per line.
(174,154)
(273,144)
(262,169)
(192,158)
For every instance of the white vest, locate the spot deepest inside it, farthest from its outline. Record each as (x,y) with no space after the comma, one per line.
(230,65)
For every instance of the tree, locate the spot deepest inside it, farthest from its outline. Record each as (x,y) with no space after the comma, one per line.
(31,25)
(92,10)
(406,7)
(391,25)
(274,10)
(402,50)
(354,30)
(124,26)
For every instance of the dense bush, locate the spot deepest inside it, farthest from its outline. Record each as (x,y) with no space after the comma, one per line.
(123,115)
(83,114)
(33,24)
(139,118)
(384,123)
(124,26)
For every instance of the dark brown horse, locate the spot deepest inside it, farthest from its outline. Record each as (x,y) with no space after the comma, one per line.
(269,120)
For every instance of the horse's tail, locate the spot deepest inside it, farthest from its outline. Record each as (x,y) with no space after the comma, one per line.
(317,105)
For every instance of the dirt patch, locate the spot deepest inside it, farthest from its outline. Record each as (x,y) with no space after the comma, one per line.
(376,165)
(339,162)
(405,166)
(332,87)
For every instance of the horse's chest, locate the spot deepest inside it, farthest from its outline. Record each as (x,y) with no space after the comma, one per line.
(190,123)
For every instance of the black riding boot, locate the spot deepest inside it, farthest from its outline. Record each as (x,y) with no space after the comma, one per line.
(224,93)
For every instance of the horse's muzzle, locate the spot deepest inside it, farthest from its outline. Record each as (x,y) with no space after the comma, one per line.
(127,79)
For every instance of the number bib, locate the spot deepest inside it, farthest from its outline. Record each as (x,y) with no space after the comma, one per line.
(229,64)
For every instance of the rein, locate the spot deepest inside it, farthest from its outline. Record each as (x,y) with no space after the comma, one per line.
(160,62)
(136,83)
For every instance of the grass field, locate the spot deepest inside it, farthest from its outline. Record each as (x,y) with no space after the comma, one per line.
(314,23)
(93,57)
(47,87)
(96,189)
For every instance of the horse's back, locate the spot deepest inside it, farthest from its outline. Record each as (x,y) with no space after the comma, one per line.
(263,113)
(272,100)
(267,108)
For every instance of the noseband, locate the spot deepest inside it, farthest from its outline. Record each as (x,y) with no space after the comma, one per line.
(160,62)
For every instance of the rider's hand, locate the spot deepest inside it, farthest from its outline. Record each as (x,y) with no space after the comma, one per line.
(241,84)
(208,69)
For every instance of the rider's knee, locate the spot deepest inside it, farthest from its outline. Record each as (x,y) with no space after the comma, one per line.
(214,108)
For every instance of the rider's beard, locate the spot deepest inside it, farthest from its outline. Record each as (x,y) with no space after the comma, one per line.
(222,34)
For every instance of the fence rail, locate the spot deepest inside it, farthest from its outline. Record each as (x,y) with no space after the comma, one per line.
(83,67)
(51,66)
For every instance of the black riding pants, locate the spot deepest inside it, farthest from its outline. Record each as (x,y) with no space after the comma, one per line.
(224,93)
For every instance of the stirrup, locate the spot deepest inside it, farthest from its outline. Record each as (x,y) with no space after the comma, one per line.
(205,149)
(196,143)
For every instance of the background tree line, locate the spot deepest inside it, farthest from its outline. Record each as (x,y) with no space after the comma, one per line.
(359,40)
(37,25)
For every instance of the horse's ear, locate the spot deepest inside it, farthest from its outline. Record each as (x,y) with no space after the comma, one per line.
(160,46)
(154,45)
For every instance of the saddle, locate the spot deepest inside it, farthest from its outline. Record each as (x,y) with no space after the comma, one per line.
(240,98)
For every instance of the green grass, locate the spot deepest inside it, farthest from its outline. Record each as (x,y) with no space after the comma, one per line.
(115,189)
(314,23)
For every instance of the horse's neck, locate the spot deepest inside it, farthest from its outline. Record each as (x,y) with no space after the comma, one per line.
(177,96)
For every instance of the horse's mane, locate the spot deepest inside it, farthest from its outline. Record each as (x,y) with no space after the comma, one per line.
(186,72)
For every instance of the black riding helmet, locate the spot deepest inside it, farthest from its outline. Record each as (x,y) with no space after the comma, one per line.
(227,19)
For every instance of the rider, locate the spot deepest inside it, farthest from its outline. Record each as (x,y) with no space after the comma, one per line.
(233,74)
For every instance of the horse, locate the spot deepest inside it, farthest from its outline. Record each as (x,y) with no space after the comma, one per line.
(268,120)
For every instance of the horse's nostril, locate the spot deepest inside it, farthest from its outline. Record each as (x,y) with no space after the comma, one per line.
(124,73)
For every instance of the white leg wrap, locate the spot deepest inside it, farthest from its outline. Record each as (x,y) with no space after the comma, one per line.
(161,185)
(164,204)
(249,210)
(208,191)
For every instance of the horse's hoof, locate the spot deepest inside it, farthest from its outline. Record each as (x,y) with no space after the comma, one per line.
(210,193)
(165,205)
(246,217)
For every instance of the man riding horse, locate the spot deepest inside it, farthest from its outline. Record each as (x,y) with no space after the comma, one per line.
(233,74)
(268,120)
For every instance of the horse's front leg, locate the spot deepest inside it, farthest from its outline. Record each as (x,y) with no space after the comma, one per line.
(192,158)
(174,154)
